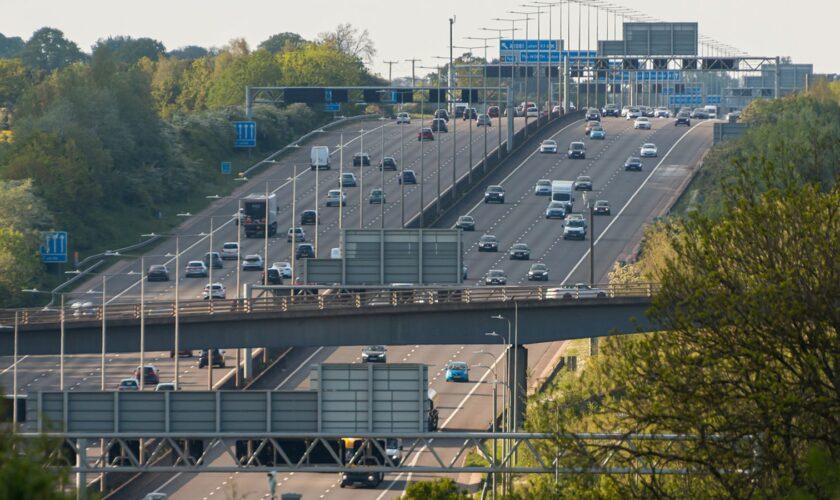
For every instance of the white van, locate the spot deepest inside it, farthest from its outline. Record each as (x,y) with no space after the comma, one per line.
(712,111)
(562,191)
(335,253)
(319,158)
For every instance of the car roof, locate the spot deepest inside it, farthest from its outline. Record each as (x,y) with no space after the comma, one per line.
(195,263)
(584,177)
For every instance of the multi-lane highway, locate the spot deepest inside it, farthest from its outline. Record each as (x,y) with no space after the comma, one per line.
(378,136)
(636,198)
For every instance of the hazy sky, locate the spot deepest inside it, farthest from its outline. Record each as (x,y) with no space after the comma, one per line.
(804,30)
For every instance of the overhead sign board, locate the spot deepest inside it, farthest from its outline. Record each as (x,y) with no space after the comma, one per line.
(646,76)
(54,249)
(660,39)
(530,51)
(685,99)
(530,44)
(246,134)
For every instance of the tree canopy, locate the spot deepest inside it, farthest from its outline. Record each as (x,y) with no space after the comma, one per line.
(130,50)
(49,50)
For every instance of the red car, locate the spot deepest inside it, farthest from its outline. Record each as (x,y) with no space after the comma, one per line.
(493,111)
(425,134)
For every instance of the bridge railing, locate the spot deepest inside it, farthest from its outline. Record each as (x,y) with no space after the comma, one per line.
(289,298)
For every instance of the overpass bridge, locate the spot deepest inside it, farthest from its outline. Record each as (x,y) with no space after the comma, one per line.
(308,316)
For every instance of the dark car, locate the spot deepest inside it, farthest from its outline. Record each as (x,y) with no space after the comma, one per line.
(520,251)
(158,272)
(425,134)
(488,243)
(361,160)
(442,114)
(470,114)
(602,207)
(407,177)
(592,114)
(151,376)
(538,272)
(439,125)
(495,277)
(577,151)
(218,359)
(182,353)
(308,217)
(683,119)
(699,114)
(583,183)
(388,163)
(493,111)
(305,251)
(466,222)
(494,194)
(611,110)
(373,354)
(213,260)
(365,479)
(633,163)
(275,277)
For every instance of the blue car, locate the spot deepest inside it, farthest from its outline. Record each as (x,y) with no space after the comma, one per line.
(598,133)
(457,370)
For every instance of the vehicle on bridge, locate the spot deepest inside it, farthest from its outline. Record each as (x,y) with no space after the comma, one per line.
(128,384)
(403,118)
(574,228)
(157,272)
(376,197)
(633,113)
(252,262)
(683,119)
(305,251)
(576,291)
(230,250)
(309,217)
(442,114)
(543,188)
(196,269)
(388,163)
(556,210)
(538,272)
(439,125)
(495,277)
(642,123)
(295,233)
(216,291)
(466,223)
(407,177)
(611,110)
(548,146)
(275,276)
(662,112)
(218,358)
(583,183)
(361,160)
(587,129)
(213,260)
(602,207)
(633,163)
(494,194)
(347,179)
(592,114)
(488,243)
(260,212)
(425,134)
(333,197)
(577,151)
(520,251)
(151,375)
(562,191)
(493,111)
(598,133)
(648,150)
(483,121)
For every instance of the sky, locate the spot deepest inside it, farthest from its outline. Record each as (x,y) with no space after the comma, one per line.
(401,30)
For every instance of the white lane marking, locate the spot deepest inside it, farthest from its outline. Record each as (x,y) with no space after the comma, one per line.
(15,363)
(632,197)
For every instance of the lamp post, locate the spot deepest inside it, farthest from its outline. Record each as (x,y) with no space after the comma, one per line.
(437,198)
(505,406)
(499,89)
(527,20)
(495,382)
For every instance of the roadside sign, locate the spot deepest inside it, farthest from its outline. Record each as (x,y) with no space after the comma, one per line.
(226,167)
(713,99)
(246,134)
(54,249)
(332,107)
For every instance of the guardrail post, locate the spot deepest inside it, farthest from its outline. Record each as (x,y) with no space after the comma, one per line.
(467,296)
(284,304)
(320,301)
(358,300)
(649,290)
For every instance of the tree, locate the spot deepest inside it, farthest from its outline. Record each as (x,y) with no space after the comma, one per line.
(282,42)
(48,50)
(321,64)
(439,489)
(348,39)
(24,215)
(189,52)
(13,81)
(10,46)
(130,50)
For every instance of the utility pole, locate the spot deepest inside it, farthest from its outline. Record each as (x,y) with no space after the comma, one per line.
(412,61)
(390,65)
(451,60)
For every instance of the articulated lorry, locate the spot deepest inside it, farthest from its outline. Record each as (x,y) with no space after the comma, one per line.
(259,212)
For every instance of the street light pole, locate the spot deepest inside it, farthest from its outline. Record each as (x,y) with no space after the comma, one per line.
(294,231)
(14,375)
(177,293)
(143,321)
(104,346)
(362,180)
(61,357)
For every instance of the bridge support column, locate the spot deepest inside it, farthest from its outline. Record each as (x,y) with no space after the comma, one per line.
(248,372)
(517,375)
(81,463)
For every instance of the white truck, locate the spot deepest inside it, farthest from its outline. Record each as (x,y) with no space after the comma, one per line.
(562,191)
(319,158)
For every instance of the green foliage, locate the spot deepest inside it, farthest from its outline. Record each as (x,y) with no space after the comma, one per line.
(282,42)
(188,53)
(49,50)
(13,80)
(320,64)
(129,50)
(10,46)
(439,489)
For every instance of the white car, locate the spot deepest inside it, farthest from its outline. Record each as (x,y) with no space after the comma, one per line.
(252,262)
(230,250)
(642,122)
(333,196)
(128,384)
(625,110)
(548,146)
(285,269)
(648,150)
(662,112)
(576,291)
(218,291)
(543,188)
(83,308)
(532,112)
(403,118)
(633,113)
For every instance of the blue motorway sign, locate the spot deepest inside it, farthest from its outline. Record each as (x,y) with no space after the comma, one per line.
(226,167)
(528,45)
(713,99)
(534,56)
(693,89)
(246,134)
(646,76)
(685,99)
(332,107)
(54,249)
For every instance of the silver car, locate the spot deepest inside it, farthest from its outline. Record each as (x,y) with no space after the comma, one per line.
(543,188)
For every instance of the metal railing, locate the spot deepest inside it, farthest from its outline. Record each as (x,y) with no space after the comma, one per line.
(288,298)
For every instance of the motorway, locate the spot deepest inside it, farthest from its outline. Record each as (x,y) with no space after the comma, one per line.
(399,141)
(636,198)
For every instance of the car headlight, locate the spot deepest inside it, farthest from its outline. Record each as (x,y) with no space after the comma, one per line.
(370,478)
(344,476)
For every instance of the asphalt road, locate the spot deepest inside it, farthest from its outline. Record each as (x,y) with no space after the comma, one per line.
(636,198)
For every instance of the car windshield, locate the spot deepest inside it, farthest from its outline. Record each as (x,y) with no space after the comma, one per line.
(649,146)
(602,203)
(575,223)
(577,145)
(196,263)
(466,218)
(520,246)
(230,245)
(597,129)
(549,143)
(376,348)
(556,204)
(543,182)
(458,366)
(252,258)
(584,178)
(538,267)
(496,273)
(633,160)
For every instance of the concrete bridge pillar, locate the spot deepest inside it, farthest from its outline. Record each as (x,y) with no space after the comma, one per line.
(517,375)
